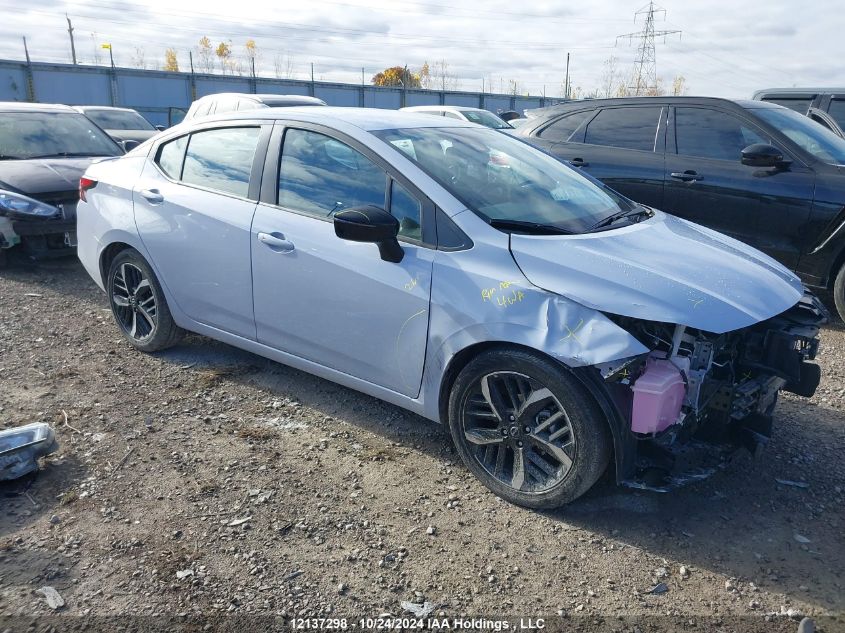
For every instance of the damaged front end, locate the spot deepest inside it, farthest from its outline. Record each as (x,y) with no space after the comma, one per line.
(697,397)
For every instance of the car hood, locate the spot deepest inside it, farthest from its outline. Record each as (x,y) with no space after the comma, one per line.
(661,269)
(131,135)
(44,175)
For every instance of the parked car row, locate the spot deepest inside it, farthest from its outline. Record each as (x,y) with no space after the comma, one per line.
(756,171)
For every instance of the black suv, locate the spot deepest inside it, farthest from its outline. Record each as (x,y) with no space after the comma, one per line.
(759,172)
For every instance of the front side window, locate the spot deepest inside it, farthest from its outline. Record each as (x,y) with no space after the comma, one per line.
(808,135)
(221,159)
(713,134)
(25,135)
(119,120)
(628,128)
(171,155)
(319,175)
(561,130)
(405,208)
(503,179)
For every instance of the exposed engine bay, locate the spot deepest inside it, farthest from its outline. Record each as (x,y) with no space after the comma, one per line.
(697,396)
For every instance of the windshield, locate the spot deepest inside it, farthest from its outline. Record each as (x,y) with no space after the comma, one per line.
(118,120)
(487,119)
(806,133)
(44,134)
(504,179)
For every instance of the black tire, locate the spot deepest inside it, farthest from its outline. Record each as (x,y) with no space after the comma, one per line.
(839,292)
(580,430)
(138,304)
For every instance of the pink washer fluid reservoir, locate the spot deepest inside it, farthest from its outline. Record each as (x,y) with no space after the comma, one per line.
(658,395)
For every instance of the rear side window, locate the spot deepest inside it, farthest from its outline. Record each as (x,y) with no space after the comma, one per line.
(837,111)
(319,175)
(561,130)
(800,104)
(713,134)
(171,155)
(221,159)
(628,128)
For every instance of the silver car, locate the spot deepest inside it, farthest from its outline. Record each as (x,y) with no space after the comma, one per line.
(461,274)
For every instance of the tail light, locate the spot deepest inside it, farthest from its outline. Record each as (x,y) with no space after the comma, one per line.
(84,185)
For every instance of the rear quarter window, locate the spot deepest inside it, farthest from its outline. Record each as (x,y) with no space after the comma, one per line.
(171,155)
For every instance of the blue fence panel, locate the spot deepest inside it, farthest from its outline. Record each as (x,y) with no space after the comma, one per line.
(73,87)
(389,98)
(459,99)
(526,103)
(497,104)
(12,83)
(153,90)
(209,85)
(283,87)
(338,95)
(422,97)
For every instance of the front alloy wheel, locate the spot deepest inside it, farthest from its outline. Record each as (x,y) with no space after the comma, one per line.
(518,431)
(527,428)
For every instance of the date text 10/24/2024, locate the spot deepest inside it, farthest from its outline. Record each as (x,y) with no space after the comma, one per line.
(420,624)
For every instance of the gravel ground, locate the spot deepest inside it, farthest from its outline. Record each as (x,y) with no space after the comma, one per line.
(209,481)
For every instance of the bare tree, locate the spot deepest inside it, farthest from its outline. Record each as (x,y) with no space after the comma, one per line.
(610,77)
(514,87)
(679,86)
(138,58)
(440,77)
(283,66)
(97,57)
(205,55)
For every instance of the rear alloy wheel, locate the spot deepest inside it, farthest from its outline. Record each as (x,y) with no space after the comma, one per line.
(138,304)
(527,429)
(839,292)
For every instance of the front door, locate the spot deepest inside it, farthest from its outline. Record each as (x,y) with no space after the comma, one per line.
(331,301)
(193,211)
(707,183)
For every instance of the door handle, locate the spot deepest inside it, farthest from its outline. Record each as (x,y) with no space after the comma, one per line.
(579,162)
(687,176)
(276,241)
(153,196)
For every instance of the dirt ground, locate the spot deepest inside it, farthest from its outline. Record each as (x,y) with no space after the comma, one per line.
(206,481)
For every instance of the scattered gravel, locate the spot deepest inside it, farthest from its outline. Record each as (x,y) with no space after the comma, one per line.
(206,480)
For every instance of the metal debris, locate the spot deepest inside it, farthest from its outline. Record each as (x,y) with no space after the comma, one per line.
(802,539)
(54,600)
(659,589)
(21,447)
(794,484)
(419,610)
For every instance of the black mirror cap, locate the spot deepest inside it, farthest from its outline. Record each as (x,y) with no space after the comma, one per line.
(763,155)
(129,145)
(370,224)
(161,128)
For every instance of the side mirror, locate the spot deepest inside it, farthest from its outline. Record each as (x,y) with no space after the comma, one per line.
(161,128)
(370,224)
(763,155)
(129,145)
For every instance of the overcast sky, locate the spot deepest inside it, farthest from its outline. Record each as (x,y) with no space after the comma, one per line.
(727,48)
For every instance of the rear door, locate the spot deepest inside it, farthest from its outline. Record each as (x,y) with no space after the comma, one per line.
(623,146)
(194,204)
(707,183)
(332,301)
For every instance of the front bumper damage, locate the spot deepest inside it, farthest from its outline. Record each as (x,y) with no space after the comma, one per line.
(697,398)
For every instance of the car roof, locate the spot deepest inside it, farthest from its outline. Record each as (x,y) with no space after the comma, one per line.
(368,119)
(667,100)
(22,106)
(84,108)
(268,99)
(451,108)
(795,91)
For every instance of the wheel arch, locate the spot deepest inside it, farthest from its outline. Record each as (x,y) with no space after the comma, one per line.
(107,257)
(623,442)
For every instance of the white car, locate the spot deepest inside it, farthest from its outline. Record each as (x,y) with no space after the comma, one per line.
(473,115)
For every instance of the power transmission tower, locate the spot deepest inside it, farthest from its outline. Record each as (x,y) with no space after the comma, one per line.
(644,80)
